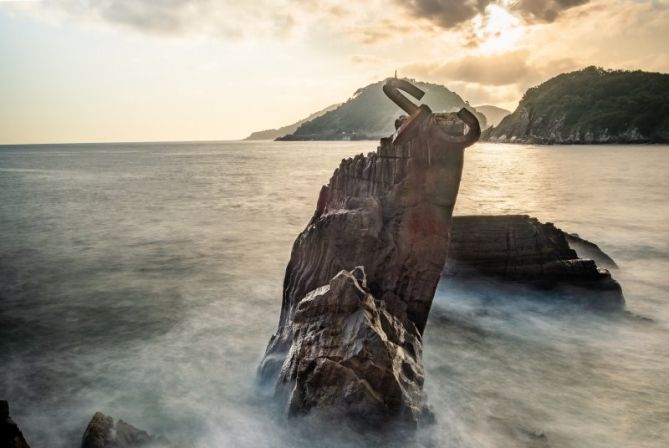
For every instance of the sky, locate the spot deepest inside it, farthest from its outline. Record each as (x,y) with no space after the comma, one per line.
(165,70)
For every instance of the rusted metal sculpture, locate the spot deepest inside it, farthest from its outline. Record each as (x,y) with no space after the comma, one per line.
(421,117)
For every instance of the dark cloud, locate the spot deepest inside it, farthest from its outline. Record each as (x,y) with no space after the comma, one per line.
(452,13)
(545,10)
(446,13)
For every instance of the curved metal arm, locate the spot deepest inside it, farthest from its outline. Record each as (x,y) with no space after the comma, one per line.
(474,129)
(392,89)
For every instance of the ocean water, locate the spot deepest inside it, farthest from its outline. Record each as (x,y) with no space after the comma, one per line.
(144,280)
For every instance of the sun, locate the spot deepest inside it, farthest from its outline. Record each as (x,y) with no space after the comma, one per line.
(497,30)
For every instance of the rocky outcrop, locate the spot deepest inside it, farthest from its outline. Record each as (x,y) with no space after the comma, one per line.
(102,432)
(518,248)
(388,212)
(10,434)
(369,358)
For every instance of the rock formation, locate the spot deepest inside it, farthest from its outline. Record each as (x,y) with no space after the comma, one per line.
(103,433)
(10,434)
(346,339)
(521,249)
(351,342)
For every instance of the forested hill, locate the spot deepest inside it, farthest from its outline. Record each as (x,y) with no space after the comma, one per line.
(271,134)
(369,114)
(592,105)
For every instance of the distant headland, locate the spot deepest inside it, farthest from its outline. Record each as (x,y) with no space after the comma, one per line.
(592,105)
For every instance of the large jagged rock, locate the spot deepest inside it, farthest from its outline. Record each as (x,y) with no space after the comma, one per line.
(388,212)
(519,248)
(102,432)
(349,351)
(10,434)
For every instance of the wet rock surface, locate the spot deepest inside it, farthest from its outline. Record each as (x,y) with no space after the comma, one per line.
(350,352)
(10,434)
(521,249)
(354,348)
(588,249)
(102,432)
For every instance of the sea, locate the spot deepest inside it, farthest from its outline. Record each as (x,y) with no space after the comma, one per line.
(143,280)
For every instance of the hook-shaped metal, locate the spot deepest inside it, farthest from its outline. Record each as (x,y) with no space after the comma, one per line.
(392,88)
(474,132)
(417,115)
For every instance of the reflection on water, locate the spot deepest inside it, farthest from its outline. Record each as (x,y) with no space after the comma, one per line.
(144,280)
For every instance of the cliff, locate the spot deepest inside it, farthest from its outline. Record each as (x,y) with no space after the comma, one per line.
(590,106)
(368,115)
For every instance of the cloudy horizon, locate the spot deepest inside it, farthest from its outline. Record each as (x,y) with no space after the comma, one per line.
(122,70)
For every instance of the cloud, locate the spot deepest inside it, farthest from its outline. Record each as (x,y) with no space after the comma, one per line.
(366,59)
(545,10)
(369,22)
(225,18)
(491,79)
(454,13)
(446,13)
(496,70)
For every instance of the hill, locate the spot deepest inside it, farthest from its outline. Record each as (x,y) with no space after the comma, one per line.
(592,105)
(369,114)
(271,134)
(493,114)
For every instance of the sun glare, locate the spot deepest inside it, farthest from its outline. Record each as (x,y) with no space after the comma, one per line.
(497,30)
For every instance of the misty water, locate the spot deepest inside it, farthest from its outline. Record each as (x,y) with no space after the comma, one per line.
(144,281)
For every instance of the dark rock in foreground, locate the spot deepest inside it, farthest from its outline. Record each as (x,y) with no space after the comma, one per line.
(103,433)
(10,434)
(346,339)
(517,248)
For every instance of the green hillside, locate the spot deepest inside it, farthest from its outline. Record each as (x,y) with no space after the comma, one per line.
(592,105)
(369,114)
(272,134)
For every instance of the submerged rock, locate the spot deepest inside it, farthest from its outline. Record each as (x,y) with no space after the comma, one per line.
(103,433)
(10,434)
(519,248)
(353,346)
